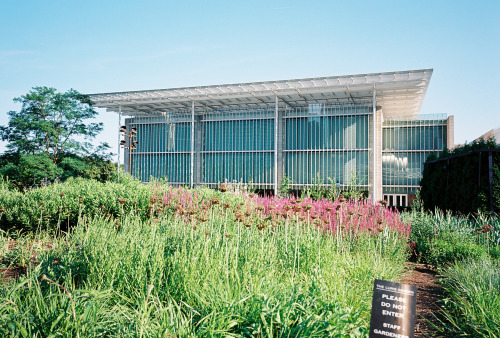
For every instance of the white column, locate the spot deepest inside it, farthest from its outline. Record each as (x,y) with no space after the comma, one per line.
(192,145)
(119,139)
(276,147)
(377,184)
(374,155)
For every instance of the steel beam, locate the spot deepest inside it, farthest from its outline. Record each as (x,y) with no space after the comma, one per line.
(191,178)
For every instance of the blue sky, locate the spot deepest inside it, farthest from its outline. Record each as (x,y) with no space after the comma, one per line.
(105,46)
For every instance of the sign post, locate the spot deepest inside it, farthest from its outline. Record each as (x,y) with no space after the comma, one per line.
(393,310)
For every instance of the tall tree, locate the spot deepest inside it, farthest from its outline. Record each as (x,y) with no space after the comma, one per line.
(50,137)
(50,122)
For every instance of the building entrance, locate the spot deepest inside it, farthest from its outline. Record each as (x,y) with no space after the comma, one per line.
(396,200)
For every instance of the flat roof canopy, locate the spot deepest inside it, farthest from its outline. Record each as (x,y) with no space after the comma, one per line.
(398,93)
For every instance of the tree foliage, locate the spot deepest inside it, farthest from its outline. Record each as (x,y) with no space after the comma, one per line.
(50,122)
(459,181)
(49,138)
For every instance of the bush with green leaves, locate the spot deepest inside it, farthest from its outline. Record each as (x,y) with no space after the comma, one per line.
(441,239)
(57,206)
(459,180)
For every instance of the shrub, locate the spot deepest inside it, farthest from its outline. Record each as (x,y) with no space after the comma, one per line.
(443,239)
(473,306)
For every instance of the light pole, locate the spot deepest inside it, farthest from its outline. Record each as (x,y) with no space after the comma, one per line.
(132,145)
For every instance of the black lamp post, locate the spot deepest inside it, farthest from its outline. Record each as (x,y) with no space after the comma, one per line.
(132,145)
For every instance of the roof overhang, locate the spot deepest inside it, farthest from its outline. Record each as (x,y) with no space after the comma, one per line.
(397,93)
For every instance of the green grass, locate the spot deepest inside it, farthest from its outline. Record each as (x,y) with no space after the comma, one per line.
(173,277)
(466,251)
(441,239)
(473,303)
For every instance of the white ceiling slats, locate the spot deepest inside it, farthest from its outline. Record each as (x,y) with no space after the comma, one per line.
(398,93)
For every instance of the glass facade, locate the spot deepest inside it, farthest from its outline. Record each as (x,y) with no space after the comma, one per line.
(405,147)
(238,146)
(327,142)
(164,147)
(315,141)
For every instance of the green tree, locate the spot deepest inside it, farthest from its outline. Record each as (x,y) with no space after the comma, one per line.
(50,138)
(49,122)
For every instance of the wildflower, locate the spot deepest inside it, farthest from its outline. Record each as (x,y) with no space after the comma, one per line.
(351,212)
(383,202)
(227,235)
(302,218)
(122,201)
(203,218)
(2,209)
(42,204)
(260,208)
(215,200)
(317,223)
(297,208)
(223,188)
(207,233)
(486,228)
(251,195)
(61,194)
(153,200)
(328,209)
(341,199)
(156,220)
(247,223)
(226,205)
(308,207)
(195,227)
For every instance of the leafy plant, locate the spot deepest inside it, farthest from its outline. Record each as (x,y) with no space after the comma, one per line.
(205,263)
(473,303)
(284,187)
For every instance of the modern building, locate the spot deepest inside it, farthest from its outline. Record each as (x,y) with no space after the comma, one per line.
(364,128)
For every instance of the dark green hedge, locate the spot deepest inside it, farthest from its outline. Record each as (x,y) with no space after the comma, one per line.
(459,180)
